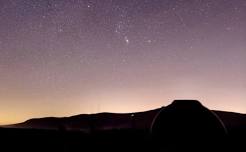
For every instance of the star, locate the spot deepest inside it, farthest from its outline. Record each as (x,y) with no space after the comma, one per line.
(149,41)
(60,30)
(228,28)
(126,40)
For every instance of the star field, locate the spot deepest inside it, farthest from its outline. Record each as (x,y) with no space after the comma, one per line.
(65,57)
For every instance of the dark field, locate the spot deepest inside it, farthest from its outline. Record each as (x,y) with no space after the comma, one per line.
(33,140)
(74,141)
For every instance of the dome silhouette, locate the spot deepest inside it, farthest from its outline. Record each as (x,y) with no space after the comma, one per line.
(187,125)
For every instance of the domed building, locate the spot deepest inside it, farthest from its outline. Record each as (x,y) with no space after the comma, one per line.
(186,125)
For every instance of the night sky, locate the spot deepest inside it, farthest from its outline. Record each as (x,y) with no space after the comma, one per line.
(66,57)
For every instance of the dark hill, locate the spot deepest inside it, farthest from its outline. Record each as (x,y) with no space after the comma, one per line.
(108,121)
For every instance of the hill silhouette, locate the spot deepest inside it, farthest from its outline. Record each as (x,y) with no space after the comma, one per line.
(107,121)
(180,122)
(84,122)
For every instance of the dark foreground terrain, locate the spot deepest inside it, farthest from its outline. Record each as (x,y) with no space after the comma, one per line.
(179,126)
(33,140)
(73,141)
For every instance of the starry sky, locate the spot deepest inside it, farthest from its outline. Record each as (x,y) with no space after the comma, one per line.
(66,57)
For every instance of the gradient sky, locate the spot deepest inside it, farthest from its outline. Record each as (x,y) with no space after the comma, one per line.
(66,57)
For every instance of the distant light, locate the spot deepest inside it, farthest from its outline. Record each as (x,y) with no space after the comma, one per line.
(127,40)
(60,30)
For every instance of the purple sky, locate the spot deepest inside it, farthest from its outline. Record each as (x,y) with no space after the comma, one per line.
(65,57)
